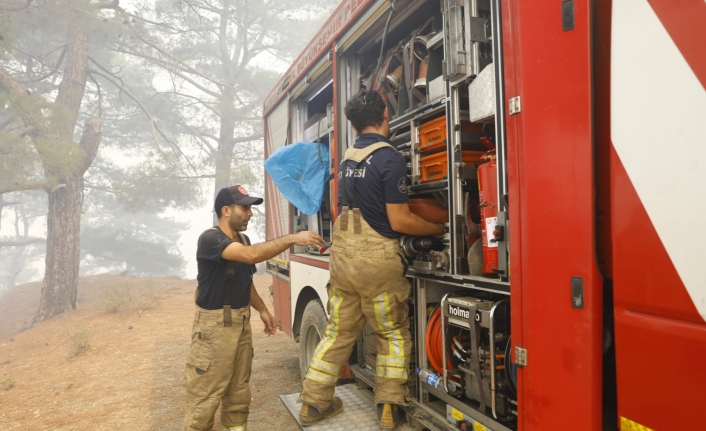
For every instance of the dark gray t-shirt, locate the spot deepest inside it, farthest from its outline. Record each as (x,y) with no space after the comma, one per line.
(212,272)
(379,180)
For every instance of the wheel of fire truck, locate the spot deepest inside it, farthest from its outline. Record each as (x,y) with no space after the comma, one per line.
(311,330)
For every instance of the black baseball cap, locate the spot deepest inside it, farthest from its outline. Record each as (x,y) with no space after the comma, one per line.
(234,195)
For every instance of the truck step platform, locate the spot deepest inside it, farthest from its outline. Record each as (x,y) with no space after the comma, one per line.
(358,412)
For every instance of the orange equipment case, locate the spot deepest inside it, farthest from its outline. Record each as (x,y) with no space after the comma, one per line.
(432,135)
(435,167)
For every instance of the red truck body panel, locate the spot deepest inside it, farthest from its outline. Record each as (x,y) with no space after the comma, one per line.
(551,184)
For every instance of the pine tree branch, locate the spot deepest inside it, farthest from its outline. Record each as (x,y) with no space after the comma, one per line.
(188,96)
(167,54)
(28,114)
(202,138)
(23,242)
(155,128)
(104,69)
(97,187)
(254,137)
(23,186)
(172,68)
(90,141)
(171,28)
(53,70)
(205,7)
(100,96)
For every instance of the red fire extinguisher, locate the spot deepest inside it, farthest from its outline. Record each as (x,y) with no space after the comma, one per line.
(488,197)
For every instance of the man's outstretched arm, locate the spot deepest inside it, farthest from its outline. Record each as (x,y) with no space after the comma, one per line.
(257,253)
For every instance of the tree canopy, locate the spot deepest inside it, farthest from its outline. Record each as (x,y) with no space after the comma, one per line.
(111,114)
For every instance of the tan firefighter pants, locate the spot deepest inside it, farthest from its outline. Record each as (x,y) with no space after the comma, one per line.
(218,370)
(367,284)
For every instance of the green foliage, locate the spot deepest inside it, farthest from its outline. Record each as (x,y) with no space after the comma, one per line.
(8,30)
(115,238)
(17,159)
(142,253)
(61,159)
(218,79)
(7,383)
(28,158)
(157,154)
(150,185)
(79,339)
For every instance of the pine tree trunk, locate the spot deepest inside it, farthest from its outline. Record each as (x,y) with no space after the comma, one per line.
(224,164)
(224,154)
(225,141)
(64,218)
(63,234)
(63,251)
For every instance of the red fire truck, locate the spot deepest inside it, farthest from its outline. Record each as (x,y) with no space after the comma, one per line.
(563,143)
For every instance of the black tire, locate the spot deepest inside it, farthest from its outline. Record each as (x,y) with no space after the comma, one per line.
(311,331)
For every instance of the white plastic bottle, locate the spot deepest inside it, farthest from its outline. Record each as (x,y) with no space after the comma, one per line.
(432,378)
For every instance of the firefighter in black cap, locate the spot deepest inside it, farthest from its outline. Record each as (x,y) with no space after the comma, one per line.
(220,358)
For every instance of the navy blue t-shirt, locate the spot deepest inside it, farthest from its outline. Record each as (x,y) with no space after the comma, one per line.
(380,179)
(212,272)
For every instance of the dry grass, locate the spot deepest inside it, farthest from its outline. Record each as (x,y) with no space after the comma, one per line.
(119,299)
(132,375)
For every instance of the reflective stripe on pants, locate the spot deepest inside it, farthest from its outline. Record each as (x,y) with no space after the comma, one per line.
(367,284)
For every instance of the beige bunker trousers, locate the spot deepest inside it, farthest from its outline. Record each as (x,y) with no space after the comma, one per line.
(218,370)
(368,283)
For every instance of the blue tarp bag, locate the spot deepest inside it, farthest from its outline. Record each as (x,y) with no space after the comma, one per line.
(300,172)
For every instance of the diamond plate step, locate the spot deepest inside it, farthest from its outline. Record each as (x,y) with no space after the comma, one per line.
(358,412)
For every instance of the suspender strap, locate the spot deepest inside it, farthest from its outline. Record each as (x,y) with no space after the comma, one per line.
(357,229)
(360,154)
(229,286)
(344,189)
(344,218)
(346,202)
(356,201)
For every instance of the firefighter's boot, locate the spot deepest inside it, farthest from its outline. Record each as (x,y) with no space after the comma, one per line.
(309,414)
(388,415)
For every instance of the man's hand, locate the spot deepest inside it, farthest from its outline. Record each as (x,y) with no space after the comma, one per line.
(269,321)
(307,238)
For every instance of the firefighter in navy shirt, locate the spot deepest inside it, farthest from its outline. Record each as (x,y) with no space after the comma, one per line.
(220,358)
(367,269)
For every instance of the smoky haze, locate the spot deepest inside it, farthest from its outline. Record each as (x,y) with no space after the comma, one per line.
(119,120)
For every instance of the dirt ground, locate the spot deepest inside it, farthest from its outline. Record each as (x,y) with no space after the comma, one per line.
(130,374)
